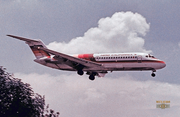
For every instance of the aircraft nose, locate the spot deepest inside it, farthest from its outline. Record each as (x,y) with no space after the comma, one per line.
(163,64)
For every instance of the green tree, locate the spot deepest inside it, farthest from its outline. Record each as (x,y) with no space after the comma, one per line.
(17,99)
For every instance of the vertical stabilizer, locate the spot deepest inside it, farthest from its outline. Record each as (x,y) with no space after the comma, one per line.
(33,44)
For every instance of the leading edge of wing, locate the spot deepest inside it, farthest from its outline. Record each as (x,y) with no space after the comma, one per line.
(23,39)
(73,59)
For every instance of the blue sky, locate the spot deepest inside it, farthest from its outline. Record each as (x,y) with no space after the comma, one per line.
(66,22)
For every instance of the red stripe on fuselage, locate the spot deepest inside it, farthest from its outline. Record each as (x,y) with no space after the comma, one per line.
(85,56)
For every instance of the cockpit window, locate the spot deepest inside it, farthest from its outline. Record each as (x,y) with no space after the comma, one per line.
(151,56)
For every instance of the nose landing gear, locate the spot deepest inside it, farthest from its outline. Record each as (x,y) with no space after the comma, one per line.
(153,74)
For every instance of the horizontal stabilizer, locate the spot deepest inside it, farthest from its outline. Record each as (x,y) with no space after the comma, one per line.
(23,39)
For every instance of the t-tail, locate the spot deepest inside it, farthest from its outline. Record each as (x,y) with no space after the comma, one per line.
(34,44)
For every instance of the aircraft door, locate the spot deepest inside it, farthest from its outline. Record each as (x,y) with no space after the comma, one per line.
(139,59)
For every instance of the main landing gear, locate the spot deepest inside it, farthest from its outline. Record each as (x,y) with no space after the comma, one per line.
(91,75)
(80,72)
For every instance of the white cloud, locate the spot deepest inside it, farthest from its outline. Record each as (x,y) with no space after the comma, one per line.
(77,96)
(120,33)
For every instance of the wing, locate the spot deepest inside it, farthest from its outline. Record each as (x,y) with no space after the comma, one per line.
(74,62)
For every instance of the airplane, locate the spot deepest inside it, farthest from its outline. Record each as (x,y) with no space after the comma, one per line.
(93,64)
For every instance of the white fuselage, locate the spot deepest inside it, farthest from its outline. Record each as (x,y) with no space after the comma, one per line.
(112,62)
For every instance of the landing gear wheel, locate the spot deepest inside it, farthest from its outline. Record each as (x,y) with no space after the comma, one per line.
(91,77)
(153,74)
(80,72)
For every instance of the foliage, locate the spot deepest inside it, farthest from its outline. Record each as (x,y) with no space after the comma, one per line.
(17,99)
(50,112)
